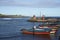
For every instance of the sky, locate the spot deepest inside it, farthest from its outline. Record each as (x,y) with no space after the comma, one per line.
(30,7)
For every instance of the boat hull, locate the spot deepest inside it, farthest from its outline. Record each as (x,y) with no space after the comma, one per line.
(37,20)
(41,20)
(36,33)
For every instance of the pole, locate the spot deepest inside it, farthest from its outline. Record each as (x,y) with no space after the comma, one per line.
(40,14)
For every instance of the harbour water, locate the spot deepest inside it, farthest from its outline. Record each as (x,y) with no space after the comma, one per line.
(10,30)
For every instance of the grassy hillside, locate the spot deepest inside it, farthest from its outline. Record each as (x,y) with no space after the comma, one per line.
(11,16)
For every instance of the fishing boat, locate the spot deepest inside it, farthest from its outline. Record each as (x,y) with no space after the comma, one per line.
(42,19)
(34,19)
(39,31)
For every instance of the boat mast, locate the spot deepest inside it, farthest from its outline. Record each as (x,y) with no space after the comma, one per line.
(40,14)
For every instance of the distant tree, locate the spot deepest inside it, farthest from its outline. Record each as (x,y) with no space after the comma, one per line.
(1,14)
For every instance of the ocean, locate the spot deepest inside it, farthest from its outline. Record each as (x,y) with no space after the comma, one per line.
(10,30)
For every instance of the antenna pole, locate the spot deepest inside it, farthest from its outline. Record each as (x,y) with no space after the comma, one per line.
(40,13)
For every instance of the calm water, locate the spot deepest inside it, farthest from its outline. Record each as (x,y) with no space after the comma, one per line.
(10,30)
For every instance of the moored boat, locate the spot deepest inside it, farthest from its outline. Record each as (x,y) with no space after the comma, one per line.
(42,19)
(40,30)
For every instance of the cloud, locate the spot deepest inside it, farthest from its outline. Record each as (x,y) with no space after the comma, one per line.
(31,3)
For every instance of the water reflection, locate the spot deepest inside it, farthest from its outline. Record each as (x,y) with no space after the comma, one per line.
(36,37)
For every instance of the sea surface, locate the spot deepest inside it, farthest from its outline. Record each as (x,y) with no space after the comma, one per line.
(10,30)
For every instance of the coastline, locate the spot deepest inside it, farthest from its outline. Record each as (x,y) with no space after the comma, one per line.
(12,16)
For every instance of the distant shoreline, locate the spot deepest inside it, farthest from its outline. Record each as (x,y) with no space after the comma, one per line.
(12,16)
(22,16)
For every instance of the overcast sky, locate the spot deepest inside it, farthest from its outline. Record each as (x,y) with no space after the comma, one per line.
(30,7)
